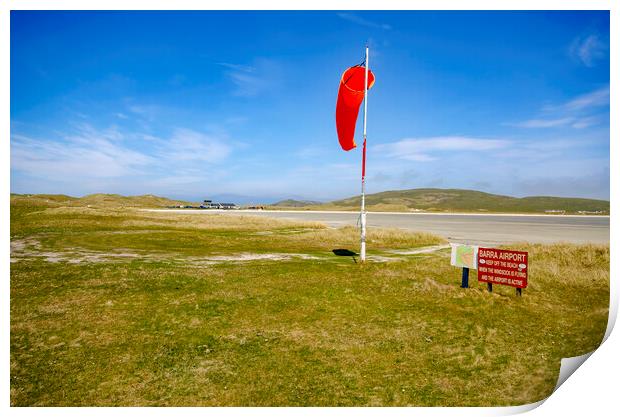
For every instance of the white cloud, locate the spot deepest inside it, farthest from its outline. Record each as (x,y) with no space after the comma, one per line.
(543,123)
(596,98)
(75,158)
(576,113)
(311,152)
(585,122)
(141,110)
(252,80)
(588,50)
(237,67)
(236,120)
(147,112)
(89,153)
(423,149)
(592,181)
(187,145)
(364,22)
(535,151)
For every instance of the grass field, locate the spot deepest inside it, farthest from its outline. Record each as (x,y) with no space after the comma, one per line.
(124,307)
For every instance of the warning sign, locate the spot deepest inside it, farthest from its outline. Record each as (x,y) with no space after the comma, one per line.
(506,267)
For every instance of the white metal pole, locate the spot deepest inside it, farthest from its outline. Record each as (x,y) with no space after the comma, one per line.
(363,209)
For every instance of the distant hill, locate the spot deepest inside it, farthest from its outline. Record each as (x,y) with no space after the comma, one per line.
(42,198)
(420,199)
(451,200)
(95,200)
(296,203)
(116,200)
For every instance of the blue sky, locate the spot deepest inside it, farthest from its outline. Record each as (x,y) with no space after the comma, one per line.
(199,104)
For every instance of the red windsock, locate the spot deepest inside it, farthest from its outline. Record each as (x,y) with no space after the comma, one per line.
(350,96)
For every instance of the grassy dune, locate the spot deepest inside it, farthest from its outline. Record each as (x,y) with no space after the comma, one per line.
(95,200)
(125,307)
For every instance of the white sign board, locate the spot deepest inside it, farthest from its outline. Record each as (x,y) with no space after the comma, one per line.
(464,256)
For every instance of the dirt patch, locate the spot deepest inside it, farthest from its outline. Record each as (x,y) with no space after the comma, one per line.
(88,257)
(19,245)
(28,249)
(275,256)
(24,248)
(249,256)
(417,251)
(379,258)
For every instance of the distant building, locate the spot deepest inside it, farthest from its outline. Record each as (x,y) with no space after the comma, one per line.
(209,204)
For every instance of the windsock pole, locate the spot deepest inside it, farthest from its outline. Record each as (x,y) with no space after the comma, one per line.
(363,208)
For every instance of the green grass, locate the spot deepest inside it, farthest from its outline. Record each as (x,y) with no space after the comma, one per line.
(164,328)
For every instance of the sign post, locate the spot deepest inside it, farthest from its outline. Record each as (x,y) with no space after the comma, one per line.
(505,267)
(465,278)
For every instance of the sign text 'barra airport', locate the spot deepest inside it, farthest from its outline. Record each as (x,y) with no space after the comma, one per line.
(505,267)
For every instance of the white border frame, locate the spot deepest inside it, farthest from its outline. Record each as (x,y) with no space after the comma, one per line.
(591,390)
